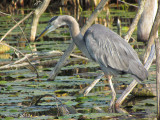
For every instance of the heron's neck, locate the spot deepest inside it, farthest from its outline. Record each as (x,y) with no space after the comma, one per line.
(73,27)
(76,35)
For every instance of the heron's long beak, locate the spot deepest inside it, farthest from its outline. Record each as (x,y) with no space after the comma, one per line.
(48,29)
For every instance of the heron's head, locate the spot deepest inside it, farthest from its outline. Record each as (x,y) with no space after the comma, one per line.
(54,23)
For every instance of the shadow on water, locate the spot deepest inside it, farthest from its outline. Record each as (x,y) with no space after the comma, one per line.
(20,89)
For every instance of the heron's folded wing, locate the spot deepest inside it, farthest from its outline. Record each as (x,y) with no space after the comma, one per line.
(109,49)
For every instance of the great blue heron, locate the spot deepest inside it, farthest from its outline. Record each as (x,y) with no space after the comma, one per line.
(102,45)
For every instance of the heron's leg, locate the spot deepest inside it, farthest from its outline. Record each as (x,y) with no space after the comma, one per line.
(113,91)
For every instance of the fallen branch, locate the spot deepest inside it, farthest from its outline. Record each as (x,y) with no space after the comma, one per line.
(42,63)
(24,64)
(49,54)
(4,13)
(89,88)
(27,16)
(128,3)
(22,55)
(38,56)
(18,24)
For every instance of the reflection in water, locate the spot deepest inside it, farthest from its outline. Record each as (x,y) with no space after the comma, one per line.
(3,50)
(4,56)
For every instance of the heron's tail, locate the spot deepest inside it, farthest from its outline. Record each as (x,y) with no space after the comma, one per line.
(138,70)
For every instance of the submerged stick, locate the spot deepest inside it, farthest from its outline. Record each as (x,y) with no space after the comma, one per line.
(71,47)
(89,88)
(126,92)
(37,56)
(37,99)
(16,23)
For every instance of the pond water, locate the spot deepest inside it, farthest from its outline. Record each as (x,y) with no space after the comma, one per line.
(20,89)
